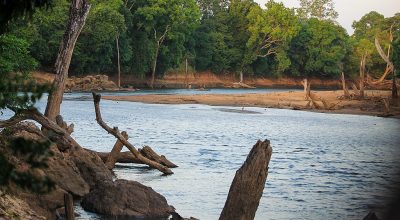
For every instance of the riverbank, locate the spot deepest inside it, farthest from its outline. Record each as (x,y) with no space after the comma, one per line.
(373,104)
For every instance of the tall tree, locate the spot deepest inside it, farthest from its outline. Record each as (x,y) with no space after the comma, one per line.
(164,20)
(272,30)
(78,12)
(319,49)
(321,9)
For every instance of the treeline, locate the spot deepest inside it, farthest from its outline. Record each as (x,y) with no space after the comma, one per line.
(222,36)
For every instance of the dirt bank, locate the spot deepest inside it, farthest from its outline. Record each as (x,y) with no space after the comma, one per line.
(373,104)
(210,80)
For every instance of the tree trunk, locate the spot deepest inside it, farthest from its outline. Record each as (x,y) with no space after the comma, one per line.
(345,90)
(241,76)
(248,185)
(78,11)
(153,71)
(118,61)
(362,75)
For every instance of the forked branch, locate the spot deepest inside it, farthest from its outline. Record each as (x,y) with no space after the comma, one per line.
(114,131)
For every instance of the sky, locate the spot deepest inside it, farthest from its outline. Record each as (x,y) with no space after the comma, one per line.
(352,10)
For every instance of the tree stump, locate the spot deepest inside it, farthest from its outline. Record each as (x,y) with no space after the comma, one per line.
(248,184)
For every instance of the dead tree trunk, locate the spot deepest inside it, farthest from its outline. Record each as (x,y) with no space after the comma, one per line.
(78,11)
(248,185)
(149,153)
(345,89)
(115,132)
(112,157)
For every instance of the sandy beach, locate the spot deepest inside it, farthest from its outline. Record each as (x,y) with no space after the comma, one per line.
(373,104)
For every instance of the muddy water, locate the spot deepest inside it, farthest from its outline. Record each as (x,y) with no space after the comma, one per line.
(323,166)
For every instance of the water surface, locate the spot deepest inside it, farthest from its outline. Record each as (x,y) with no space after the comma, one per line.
(323,166)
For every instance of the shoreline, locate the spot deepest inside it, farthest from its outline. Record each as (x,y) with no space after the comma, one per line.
(372,105)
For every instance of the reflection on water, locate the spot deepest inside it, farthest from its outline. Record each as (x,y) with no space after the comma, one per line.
(323,165)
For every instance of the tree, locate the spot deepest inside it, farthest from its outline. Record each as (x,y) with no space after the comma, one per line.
(321,9)
(319,49)
(18,95)
(11,9)
(272,30)
(164,20)
(364,48)
(79,10)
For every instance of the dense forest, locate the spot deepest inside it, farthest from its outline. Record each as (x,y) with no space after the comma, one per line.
(221,36)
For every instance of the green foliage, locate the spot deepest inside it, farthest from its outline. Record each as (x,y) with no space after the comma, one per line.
(222,36)
(396,52)
(17,94)
(272,30)
(319,49)
(15,62)
(14,55)
(11,9)
(33,155)
(321,9)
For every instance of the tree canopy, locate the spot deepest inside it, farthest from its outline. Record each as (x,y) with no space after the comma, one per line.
(220,36)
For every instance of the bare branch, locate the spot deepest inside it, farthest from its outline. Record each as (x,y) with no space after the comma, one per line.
(114,131)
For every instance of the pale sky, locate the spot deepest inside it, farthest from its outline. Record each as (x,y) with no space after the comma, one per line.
(352,10)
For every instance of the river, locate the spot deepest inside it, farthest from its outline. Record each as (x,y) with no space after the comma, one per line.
(323,166)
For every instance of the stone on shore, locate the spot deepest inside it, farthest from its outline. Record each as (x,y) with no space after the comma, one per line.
(126,199)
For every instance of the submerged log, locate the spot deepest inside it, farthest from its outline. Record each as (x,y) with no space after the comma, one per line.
(149,153)
(248,185)
(128,157)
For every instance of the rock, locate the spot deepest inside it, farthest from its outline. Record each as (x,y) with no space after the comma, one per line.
(43,204)
(126,199)
(91,167)
(63,171)
(12,207)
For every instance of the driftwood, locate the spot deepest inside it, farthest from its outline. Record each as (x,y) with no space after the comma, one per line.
(114,131)
(121,157)
(248,184)
(313,99)
(149,153)
(112,156)
(128,157)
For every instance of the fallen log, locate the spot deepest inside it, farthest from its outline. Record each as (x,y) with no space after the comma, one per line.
(122,157)
(149,153)
(248,184)
(115,132)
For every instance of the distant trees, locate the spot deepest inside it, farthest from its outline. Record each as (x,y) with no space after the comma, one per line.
(319,49)
(220,36)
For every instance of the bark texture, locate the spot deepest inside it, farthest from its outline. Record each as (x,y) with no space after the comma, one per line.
(78,11)
(248,185)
